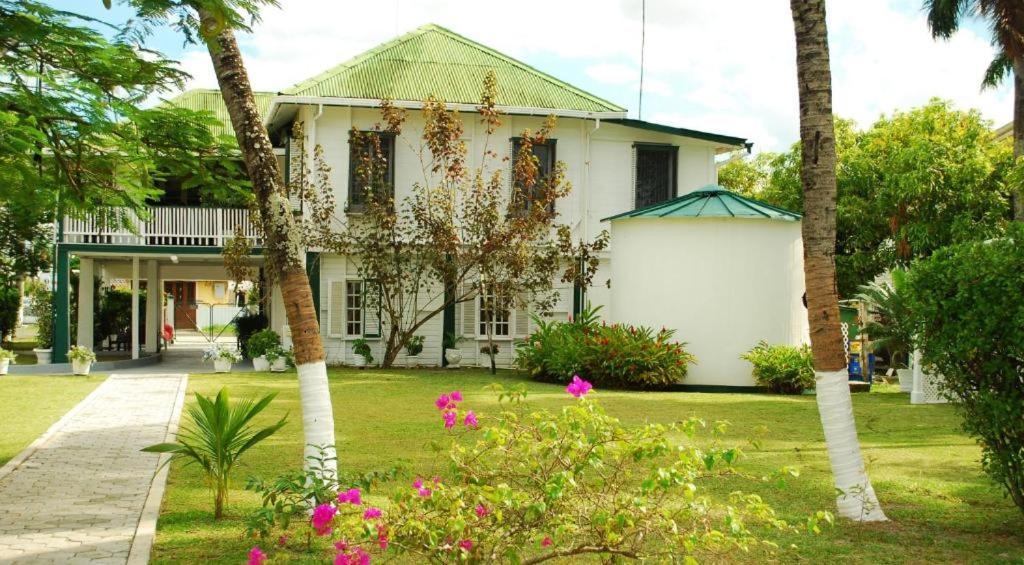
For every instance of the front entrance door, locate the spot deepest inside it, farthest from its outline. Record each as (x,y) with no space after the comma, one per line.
(184,294)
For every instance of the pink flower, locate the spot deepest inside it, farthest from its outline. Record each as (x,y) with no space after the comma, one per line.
(546,542)
(371,513)
(322,517)
(449,419)
(443,401)
(341,545)
(470,420)
(281,541)
(425,492)
(351,496)
(362,556)
(466,545)
(456,396)
(578,387)
(342,559)
(481,510)
(418,483)
(436,479)
(382,539)
(256,556)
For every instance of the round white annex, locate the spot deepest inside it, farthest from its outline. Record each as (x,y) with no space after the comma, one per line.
(722,270)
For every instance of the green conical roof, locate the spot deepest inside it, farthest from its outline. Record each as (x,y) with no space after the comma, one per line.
(433,61)
(712,201)
(212,101)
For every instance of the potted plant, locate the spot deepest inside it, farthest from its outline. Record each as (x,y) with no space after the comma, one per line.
(891,328)
(277,358)
(413,350)
(364,355)
(489,352)
(257,346)
(82,359)
(451,351)
(6,359)
(43,303)
(222,358)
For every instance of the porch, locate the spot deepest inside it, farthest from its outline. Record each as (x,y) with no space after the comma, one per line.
(162,225)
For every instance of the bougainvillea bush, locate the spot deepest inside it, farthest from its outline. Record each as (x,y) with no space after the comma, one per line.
(615,355)
(526,486)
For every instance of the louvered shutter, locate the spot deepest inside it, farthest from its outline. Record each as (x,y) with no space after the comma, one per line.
(336,309)
(371,310)
(469,312)
(522,320)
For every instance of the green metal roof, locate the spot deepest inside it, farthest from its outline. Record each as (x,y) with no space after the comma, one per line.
(211,101)
(712,201)
(661,128)
(434,61)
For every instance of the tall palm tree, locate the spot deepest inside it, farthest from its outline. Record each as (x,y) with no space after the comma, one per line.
(1006,19)
(856,499)
(214,21)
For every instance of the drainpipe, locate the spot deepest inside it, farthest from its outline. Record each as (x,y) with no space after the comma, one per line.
(586,182)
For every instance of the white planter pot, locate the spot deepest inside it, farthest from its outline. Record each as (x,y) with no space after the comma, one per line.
(44,356)
(279,365)
(454,357)
(906,377)
(5,364)
(221,366)
(359,360)
(412,361)
(80,367)
(260,363)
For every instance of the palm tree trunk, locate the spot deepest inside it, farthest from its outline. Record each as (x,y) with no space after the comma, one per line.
(1018,132)
(280,247)
(818,175)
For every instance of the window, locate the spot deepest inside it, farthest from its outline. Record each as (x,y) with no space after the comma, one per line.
(371,167)
(655,173)
(545,155)
(494,311)
(354,308)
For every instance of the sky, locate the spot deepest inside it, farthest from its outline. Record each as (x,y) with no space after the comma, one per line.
(726,66)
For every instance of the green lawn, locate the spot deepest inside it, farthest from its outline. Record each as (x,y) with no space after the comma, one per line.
(925,470)
(30,404)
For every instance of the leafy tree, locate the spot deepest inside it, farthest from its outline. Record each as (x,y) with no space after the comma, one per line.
(1006,20)
(856,499)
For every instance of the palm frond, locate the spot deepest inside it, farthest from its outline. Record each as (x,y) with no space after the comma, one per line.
(944,16)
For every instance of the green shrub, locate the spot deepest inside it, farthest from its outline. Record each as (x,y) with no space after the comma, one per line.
(261,342)
(614,355)
(415,345)
(784,369)
(247,324)
(891,329)
(361,347)
(969,325)
(42,301)
(10,299)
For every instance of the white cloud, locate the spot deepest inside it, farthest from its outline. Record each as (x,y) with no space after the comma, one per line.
(723,66)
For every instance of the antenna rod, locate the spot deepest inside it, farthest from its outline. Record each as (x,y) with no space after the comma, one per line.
(643,32)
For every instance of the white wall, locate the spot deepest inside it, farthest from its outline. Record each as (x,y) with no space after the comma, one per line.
(722,284)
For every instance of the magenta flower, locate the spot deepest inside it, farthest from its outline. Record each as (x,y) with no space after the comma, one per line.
(322,517)
(578,387)
(470,421)
(443,401)
(341,545)
(456,396)
(371,513)
(256,556)
(437,480)
(281,541)
(382,539)
(546,542)
(466,545)
(362,556)
(418,483)
(425,492)
(351,496)
(481,510)
(449,419)
(342,559)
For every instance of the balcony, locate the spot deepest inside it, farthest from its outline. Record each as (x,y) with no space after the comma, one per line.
(167,225)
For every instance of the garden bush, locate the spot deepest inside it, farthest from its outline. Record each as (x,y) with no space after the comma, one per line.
(966,302)
(531,485)
(43,305)
(784,369)
(260,342)
(247,324)
(10,300)
(615,355)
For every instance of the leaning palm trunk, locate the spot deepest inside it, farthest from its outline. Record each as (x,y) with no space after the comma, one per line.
(280,247)
(818,174)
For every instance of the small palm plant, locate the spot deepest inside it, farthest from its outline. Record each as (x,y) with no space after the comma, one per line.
(220,432)
(892,327)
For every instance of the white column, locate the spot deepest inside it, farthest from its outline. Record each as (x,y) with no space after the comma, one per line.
(153,294)
(917,393)
(134,339)
(85,300)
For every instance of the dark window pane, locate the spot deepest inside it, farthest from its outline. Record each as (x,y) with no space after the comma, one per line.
(369,169)
(545,154)
(655,174)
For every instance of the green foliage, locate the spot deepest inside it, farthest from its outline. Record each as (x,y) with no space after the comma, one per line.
(969,322)
(42,305)
(217,436)
(81,353)
(361,347)
(891,329)
(784,369)
(415,345)
(10,300)
(261,342)
(890,178)
(247,324)
(614,355)
(8,356)
(451,340)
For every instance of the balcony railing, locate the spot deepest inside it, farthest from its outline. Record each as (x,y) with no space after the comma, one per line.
(166,225)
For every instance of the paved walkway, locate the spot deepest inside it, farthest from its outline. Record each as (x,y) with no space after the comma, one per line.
(78,496)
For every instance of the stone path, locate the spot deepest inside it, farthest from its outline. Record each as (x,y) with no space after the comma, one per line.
(79,496)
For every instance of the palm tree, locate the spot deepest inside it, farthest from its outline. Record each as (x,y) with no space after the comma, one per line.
(856,499)
(1006,19)
(214,22)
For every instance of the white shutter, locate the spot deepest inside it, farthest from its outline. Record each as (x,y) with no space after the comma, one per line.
(522,320)
(466,315)
(371,314)
(336,309)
